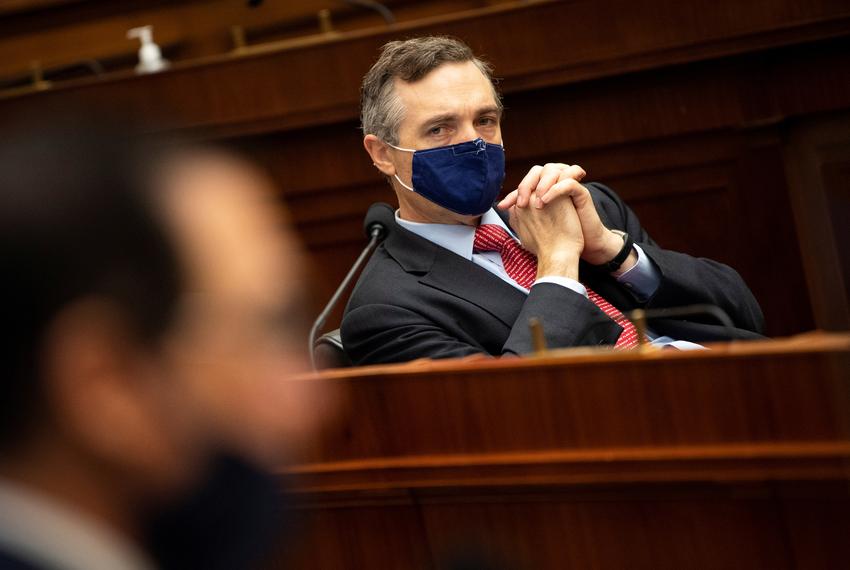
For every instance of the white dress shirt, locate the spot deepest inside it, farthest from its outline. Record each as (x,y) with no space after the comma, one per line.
(641,280)
(40,531)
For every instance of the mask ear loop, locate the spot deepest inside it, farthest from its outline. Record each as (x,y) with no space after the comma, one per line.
(396,175)
(399,148)
(402,183)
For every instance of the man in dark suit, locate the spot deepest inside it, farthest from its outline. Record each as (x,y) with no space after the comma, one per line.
(150,301)
(457,277)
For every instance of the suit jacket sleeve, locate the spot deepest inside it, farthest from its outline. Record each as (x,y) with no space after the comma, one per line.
(685,280)
(392,318)
(381,333)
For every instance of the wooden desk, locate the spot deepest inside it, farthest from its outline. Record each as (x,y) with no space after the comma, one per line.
(734,458)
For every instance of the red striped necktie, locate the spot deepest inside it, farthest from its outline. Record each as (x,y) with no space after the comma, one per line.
(521,266)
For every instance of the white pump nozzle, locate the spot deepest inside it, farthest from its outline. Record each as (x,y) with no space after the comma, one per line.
(150,56)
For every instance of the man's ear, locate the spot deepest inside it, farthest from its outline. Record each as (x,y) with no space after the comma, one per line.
(99,394)
(380,153)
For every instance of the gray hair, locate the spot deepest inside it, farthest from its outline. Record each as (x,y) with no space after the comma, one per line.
(381,110)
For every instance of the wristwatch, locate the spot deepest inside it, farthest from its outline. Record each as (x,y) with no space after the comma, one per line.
(614,264)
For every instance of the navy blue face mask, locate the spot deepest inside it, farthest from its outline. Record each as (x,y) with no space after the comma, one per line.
(465,178)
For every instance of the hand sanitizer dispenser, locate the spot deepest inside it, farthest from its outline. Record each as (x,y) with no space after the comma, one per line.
(150,56)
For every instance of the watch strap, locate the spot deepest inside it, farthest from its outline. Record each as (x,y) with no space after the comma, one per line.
(620,258)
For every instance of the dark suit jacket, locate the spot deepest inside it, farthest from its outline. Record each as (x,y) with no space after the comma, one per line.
(11,562)
(416,299)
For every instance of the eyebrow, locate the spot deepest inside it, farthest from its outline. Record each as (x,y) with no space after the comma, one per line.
(490,109)
(445,117)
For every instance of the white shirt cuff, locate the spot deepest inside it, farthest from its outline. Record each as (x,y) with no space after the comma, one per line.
(642,279)
(564,282)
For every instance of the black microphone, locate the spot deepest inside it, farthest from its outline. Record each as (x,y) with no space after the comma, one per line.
(379,219)
(380,216)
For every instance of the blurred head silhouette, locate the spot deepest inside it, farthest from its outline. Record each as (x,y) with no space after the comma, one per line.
(150,302)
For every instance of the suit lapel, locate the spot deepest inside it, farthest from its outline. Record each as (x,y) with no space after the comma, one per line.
(462,278)
(444,270)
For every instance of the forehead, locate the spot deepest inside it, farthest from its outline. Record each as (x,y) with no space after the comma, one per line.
(223,214)
(452,87)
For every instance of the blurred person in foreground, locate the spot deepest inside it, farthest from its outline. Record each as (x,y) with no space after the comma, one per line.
(460,274)
(151,313)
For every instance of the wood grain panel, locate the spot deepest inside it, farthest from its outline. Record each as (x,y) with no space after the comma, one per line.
(360,536)
(748,393)
(61,33)
(817,523)
(817,163)
(606,532)
(649,41)
(735,458)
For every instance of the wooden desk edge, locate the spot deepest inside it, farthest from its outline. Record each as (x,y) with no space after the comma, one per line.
(810,461)
(812,342)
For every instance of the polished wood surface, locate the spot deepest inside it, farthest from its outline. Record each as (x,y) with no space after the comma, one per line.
(738,457)
(61,33)
(691,111)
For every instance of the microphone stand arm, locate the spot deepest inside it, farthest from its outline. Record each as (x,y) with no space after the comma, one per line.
(377,234)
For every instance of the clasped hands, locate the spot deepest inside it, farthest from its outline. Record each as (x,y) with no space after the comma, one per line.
(555,218)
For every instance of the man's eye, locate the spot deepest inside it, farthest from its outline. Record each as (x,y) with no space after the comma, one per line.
(435,131)
(487,121)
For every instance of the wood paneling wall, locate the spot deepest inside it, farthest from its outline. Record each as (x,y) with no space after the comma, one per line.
(63,33)
(686,109)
